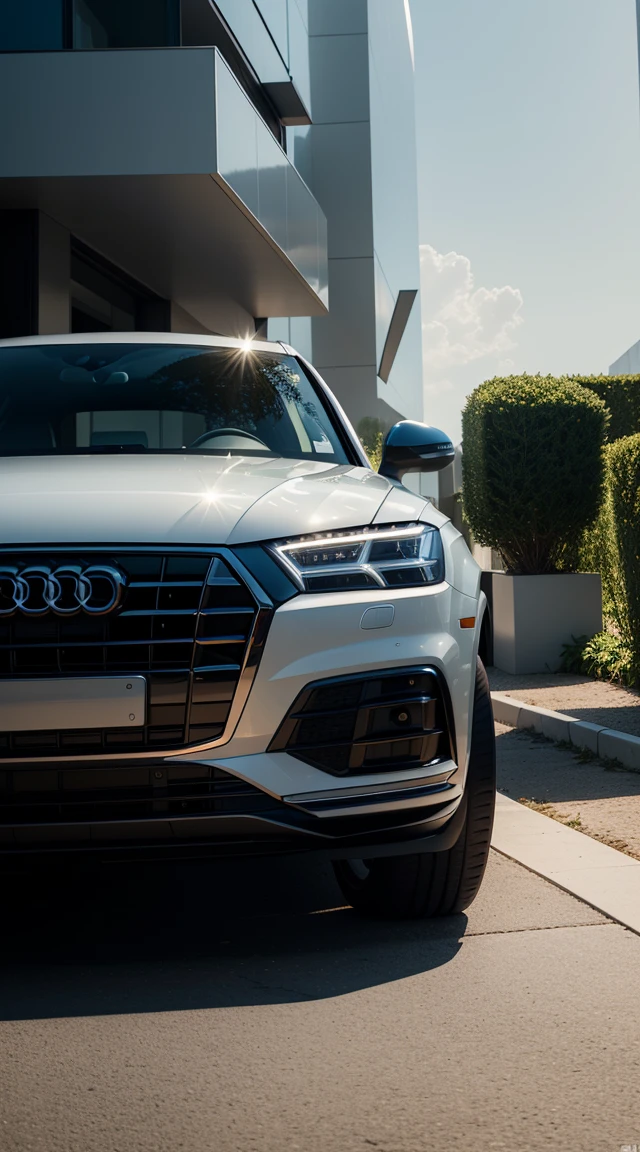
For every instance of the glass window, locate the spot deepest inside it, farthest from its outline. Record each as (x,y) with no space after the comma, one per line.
(31,25)
(274,14)
(123,24)
(114,398)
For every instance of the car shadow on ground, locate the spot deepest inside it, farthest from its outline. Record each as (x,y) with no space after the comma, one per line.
(532,766)
(115,938)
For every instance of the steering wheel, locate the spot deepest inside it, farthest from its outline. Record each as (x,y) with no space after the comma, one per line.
(215,432)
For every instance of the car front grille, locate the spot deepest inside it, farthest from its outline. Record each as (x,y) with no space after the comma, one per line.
(387,721)
(185,621)
(44,797)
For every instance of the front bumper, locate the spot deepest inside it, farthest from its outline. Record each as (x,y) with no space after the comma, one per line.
(245,798)
(182,812)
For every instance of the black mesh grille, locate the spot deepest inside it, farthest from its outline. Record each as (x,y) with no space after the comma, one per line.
(184,622)
(88,793)
(384,722)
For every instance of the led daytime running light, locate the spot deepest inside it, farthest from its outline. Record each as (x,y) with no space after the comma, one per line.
(317,565)
(355,538)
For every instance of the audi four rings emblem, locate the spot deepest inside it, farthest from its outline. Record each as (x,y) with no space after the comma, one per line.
(63,590)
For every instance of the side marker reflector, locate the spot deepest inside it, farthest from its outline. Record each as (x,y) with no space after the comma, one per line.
(468,622)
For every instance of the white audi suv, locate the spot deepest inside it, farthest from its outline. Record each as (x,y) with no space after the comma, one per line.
(221,632)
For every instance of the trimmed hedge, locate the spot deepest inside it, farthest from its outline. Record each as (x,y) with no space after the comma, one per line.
(599,553)
(532,468)
(621,394)
(623,481)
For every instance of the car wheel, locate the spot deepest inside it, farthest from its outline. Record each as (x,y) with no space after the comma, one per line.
(436,883)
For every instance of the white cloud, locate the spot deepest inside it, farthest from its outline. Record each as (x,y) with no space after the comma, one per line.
(462,324)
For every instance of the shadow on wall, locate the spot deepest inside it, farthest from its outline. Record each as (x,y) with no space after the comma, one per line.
(197,934)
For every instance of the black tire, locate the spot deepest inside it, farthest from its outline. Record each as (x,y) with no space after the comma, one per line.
(436,883)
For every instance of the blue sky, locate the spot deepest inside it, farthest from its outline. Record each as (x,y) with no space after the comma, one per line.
(528,123)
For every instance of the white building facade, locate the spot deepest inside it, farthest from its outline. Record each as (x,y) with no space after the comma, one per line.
(358,156)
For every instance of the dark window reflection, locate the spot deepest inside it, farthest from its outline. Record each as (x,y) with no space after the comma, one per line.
(31,25)
(114,398)
(125,24)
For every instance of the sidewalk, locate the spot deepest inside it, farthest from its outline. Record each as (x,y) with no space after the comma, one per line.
(577,820)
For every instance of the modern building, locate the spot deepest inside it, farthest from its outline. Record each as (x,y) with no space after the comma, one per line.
(628,364)
(202,167)
(359,158)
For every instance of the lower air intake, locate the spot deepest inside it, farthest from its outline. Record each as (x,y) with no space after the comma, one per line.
(381,722)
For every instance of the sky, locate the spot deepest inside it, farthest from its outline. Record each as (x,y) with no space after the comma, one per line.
(528,126)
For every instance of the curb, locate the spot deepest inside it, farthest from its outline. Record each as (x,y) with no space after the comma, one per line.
(603,742)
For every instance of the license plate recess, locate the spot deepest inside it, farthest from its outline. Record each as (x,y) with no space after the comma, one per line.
(72,703)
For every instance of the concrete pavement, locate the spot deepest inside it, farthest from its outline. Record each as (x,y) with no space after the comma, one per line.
(235,1007)
(223,1008)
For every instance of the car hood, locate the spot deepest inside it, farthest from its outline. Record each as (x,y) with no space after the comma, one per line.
(188,499)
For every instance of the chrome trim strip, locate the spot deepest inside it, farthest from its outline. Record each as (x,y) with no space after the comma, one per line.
(246,677)
(378,803)
(441,771)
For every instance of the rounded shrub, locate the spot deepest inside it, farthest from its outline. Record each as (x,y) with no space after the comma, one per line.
(621,395)
(532,468)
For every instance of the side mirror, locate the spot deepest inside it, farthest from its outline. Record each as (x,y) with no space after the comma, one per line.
(413,447)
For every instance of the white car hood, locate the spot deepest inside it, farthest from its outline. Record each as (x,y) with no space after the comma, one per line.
(191,500)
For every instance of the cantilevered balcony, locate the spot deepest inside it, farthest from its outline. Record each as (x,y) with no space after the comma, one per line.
(157,159)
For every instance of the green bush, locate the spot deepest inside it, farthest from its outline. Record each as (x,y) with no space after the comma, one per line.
(621,395)
(599,553)
(623,475)
(532,469)
(605,656)
(610,547)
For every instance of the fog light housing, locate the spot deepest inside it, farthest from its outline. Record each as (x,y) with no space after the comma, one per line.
(351,725)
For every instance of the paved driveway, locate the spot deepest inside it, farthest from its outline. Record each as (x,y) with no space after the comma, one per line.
(227,1008)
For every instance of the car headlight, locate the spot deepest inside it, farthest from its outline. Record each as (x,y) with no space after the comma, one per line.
(399,556)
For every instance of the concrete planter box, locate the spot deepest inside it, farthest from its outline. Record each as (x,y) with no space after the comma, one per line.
(533,616)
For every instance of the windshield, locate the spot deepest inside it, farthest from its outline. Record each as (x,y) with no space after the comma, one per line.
(114,398)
